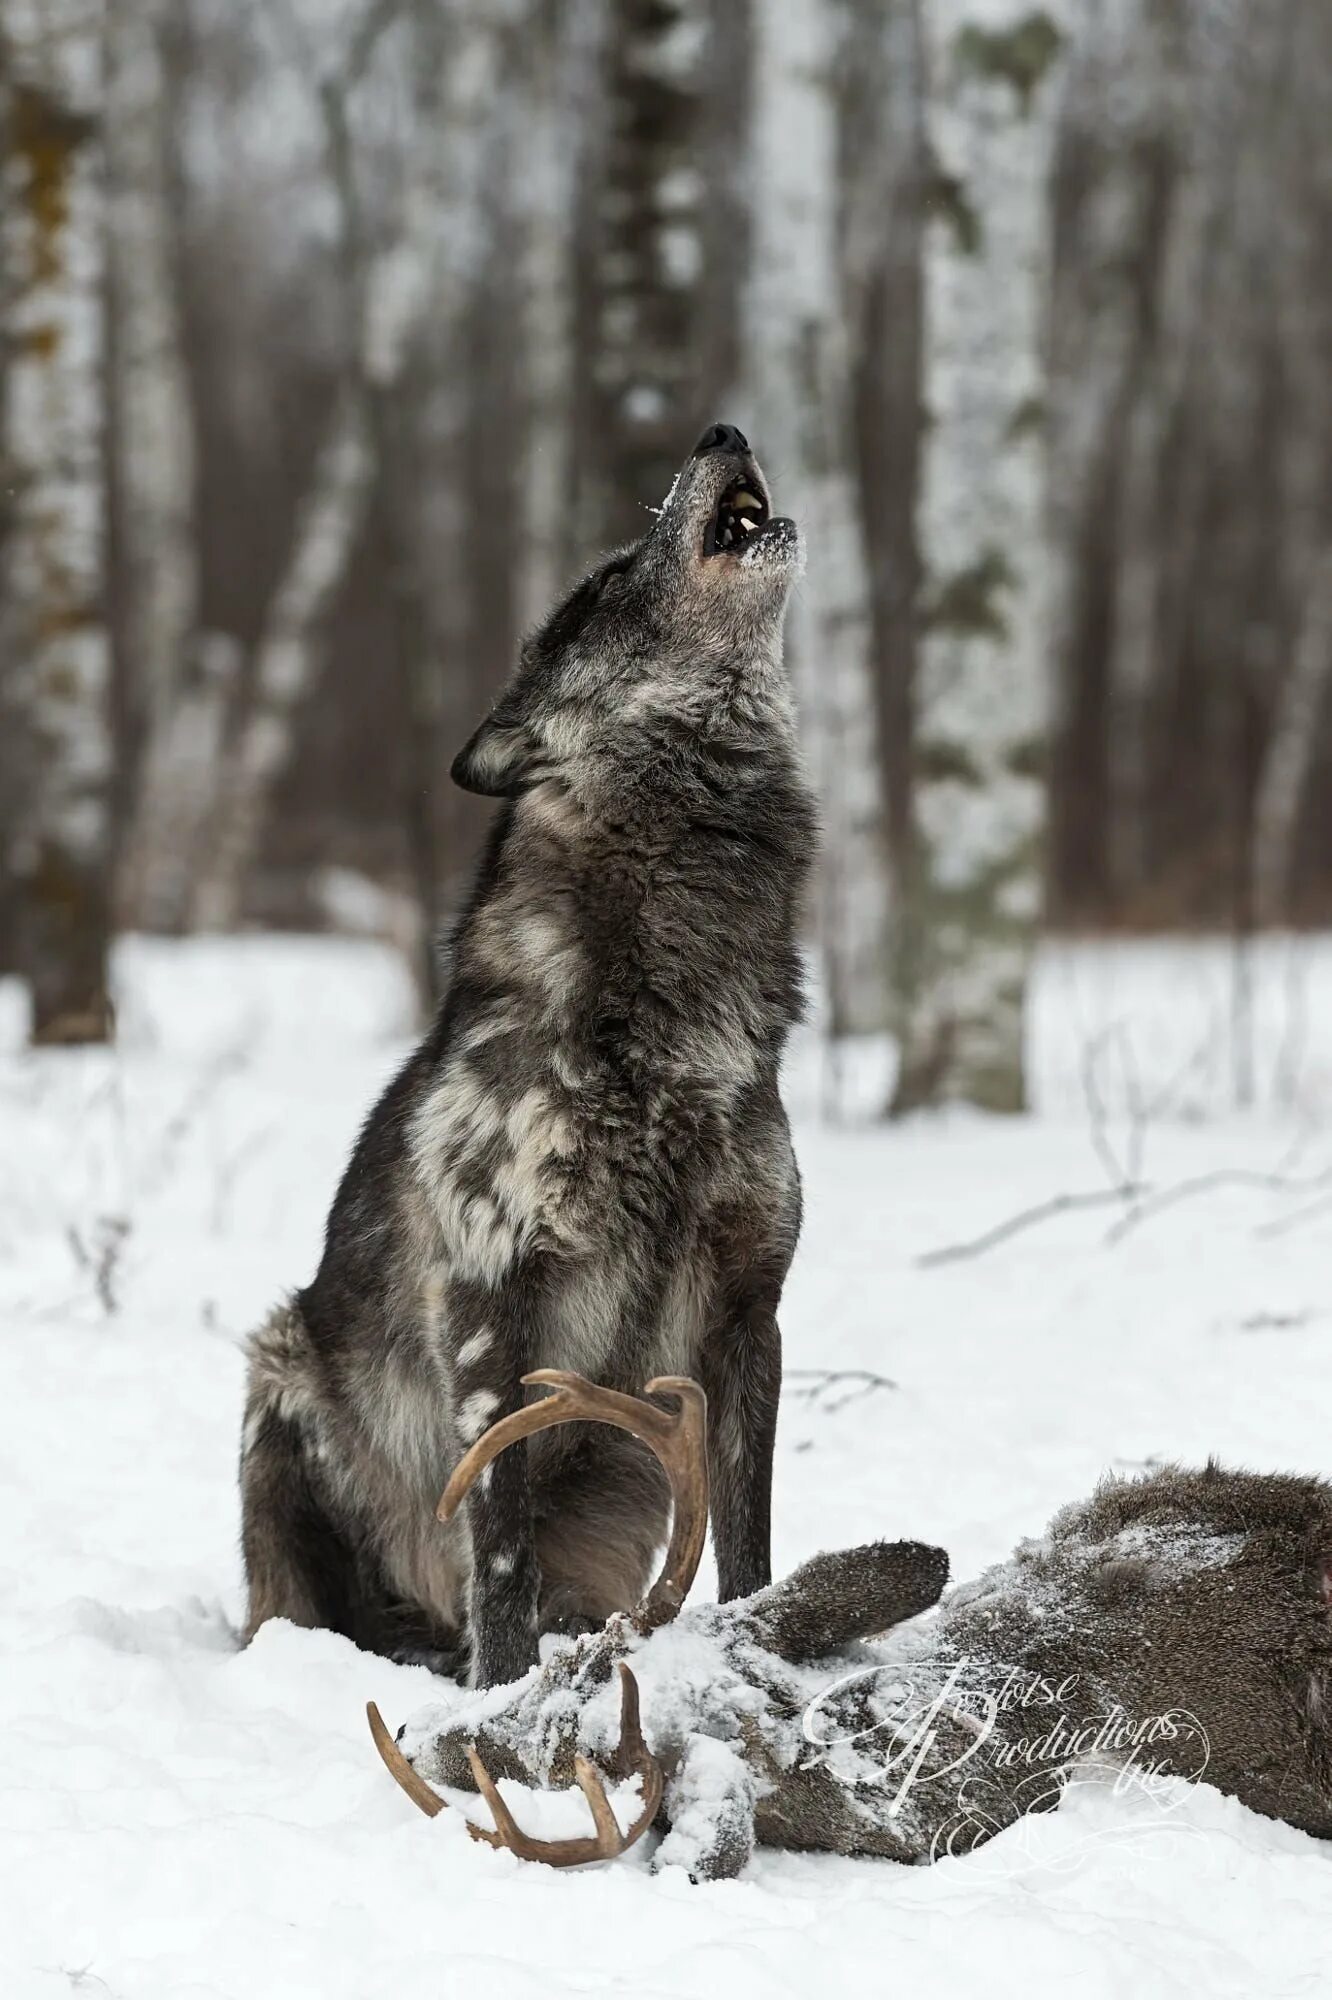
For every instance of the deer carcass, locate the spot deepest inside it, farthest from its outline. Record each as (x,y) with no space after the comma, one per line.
(1177,1625)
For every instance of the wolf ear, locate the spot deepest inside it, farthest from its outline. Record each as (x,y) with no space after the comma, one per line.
(499,761)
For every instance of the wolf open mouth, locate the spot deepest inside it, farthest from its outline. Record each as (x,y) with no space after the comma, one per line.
(741,513)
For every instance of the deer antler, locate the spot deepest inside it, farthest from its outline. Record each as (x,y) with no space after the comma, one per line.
(679,1440)
(603,1845)
(607,1841)
(418,1791)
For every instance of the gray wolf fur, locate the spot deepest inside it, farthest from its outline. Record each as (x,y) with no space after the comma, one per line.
(586,1162)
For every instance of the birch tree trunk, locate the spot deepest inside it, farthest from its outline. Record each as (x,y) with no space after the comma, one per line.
(968,907)
(883,176)
(643,287)
(153,473)
(55,635)
(561,49)
(797,345)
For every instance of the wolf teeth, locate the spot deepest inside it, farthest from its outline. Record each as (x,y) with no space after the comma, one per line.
(739,513)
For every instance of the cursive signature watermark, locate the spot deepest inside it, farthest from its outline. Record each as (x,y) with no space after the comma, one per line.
(983,1748)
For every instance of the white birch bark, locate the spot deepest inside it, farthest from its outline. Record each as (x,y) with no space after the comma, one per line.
(800,427)
(56,638)
(968,911)
(563,42)
(155,442)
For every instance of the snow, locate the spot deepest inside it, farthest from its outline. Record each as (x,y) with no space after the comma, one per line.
(184,1820)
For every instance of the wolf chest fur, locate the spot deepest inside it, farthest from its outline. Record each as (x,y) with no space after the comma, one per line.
(586,1163)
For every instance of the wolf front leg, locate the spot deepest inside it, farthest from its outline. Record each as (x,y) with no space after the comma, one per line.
(742,1373)
(491,1345)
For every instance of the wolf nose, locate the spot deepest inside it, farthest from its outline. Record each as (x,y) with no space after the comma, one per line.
(721,437)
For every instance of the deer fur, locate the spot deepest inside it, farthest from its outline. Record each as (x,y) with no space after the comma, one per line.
(1198,1596)
(586,1163)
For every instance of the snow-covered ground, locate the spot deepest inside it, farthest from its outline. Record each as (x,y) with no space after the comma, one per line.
(180,1819)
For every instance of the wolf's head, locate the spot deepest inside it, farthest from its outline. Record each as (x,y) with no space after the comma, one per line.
(675,638)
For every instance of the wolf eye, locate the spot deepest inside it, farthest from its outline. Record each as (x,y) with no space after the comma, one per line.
(611,581)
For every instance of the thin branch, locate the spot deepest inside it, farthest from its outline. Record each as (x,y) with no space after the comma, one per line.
(817,1382)
(1295,1218)
(306,53)
(1139,1199)
(1028,1218)
(1222,1177)
(1116,1172)
(375,23)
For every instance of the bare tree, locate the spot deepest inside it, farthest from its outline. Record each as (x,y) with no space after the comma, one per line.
(55,621)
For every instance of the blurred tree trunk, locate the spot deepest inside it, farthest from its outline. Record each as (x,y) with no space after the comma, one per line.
(174,787)
(1283,784)
(285,660)
(811,278)
(152,449)
(968,906)
(640,310)
(455,229)
(557,57)
(882,173)
(55,634)
(1143,187)
(1191,434)
(369,450)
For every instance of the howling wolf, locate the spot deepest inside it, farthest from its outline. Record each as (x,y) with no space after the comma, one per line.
(586,1163)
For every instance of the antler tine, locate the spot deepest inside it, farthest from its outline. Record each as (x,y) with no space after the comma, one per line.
(607,1841)
(418,1791)
(632,1756)
(609,1838)
(679,1439)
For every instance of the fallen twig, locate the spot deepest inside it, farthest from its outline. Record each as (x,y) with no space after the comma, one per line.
(1029,1218)
(1295,1218)
(1139,1199)
(1153,1205)
(817,1382)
